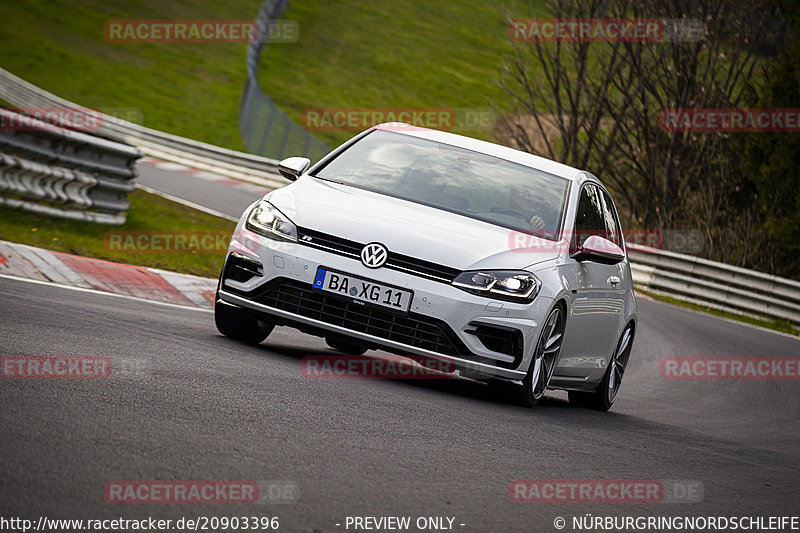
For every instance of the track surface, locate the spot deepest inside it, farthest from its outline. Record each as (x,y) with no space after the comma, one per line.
(200,406)
(218,196)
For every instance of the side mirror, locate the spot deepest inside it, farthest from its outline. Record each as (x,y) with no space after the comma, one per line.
(599,250)
(291,167)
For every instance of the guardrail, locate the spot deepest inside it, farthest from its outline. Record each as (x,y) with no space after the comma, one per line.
(239,165)
(715,285)
(59,172)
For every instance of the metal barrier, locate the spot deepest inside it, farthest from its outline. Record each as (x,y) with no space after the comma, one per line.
(59,172)
(266,129)
(715,285)
(246,167)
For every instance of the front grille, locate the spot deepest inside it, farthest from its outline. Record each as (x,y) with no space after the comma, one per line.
(410,329)
(395,261)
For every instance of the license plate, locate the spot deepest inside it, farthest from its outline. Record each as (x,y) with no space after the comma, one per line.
(363,291)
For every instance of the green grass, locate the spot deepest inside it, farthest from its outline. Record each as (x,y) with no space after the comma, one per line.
(403,53)
(783,326)
(398,53)
(188,89)
(148,213)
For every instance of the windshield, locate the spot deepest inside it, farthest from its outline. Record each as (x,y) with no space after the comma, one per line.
(475,185)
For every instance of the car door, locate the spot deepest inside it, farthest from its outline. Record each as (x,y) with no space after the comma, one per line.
(590,325)
(617,285)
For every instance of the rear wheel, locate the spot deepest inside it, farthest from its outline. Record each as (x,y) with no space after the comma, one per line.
(344,345)
(602,398)
(240,324)
(544,360)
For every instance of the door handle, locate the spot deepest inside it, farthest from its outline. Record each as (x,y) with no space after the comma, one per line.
(613,280)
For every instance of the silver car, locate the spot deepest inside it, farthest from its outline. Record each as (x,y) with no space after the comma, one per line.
(509,266)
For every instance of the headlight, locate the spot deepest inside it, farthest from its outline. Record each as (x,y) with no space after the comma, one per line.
(268,221)
(511,285)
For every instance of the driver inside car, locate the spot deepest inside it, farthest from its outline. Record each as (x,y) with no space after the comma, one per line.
(522,200)
(429,186)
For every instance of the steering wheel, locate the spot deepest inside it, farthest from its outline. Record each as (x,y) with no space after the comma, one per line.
(511,212)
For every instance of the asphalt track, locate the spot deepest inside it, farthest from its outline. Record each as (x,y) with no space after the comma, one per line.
(218,196)
(194,405)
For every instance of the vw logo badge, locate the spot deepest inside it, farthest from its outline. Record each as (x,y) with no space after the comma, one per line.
(374,255)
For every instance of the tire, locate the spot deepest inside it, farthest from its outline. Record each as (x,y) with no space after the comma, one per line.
(239,324)
(545,357)
(341,344)
(603,397)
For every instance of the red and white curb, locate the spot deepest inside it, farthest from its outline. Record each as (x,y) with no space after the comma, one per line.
(23,261)
(169,166)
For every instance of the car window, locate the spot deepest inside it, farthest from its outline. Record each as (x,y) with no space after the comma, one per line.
(589,219)
(469,183)
(610,216)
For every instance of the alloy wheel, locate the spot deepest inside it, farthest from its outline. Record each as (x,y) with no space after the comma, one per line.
(547,352)
(618,364)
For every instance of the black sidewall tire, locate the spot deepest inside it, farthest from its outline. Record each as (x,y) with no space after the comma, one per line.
(240,324)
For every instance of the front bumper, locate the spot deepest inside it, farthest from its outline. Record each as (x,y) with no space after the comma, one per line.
(443,322)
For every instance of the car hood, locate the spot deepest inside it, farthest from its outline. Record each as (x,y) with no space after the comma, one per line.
(405,227)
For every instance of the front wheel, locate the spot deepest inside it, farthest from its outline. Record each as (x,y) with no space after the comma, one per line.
(544,360)
(602,398)
(239,324)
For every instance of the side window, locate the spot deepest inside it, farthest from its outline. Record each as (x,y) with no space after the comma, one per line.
(610,215)
(589,220)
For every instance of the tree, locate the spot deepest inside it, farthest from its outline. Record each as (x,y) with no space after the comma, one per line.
(771,161)
(597,105)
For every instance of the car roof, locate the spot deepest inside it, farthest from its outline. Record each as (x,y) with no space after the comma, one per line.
(484,147)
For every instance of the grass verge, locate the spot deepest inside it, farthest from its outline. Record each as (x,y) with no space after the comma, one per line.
(399,54)
(186,89)
(783,326)
(149,213)
(403,53)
